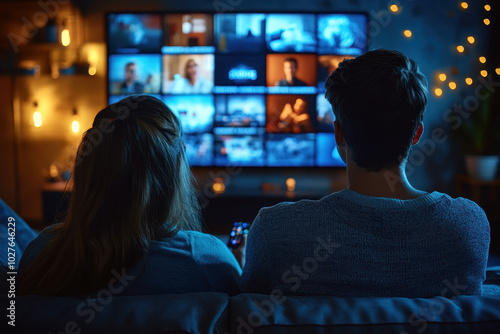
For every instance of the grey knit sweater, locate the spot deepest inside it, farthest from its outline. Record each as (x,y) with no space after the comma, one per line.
(348,244)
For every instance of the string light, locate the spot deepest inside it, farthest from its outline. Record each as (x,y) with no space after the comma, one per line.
(442,77)
(487,8)
(407,33)
(438,91)
(486,22)
(471,39)
(497,70)
(394,8)
(484,73)
(452,85)
(460,48)
(468,81)
(464,5)
(482,59)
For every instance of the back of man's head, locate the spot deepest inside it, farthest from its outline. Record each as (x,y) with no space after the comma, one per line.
(379,99)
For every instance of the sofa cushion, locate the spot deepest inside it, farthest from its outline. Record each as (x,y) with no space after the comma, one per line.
(183,313)
(253,313)
(23,234)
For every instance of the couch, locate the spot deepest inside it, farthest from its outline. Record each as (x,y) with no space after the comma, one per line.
(254,313)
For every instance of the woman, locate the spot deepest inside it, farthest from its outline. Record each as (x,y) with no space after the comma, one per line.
(133,213)
(193,82)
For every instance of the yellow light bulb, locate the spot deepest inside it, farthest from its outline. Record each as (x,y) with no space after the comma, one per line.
(407,33)
(37,119)
(482,59)
(486,22)
(471,39)
(464,5)
(497,70)
(438,91)
(92,70)
(394,8)
(487,8)
(75,126)
(484,73)
(290,184)
(65,39)
(460,48)
(442,77)
(468,81)
(452,85)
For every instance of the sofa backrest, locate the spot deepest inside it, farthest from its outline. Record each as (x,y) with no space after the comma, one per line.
(182,313)
(261,314)
(256,314)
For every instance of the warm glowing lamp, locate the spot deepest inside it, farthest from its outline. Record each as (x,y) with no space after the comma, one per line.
(394,8)
(65,39)
(482,59)
(497,70)
(487,8)
(407,33)
(486,22)
(464,5)
(37,116)
(471,39)
(75,125)
(438,91)
(460,48)
(290,184)
(468,81)
(452,85)
(442,77)
(484,73)
(218,186)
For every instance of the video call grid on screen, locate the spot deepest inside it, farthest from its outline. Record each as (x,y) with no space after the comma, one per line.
(247,87)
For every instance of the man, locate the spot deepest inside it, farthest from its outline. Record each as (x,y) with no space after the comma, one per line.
(380,236)
(290,69)
(131,85)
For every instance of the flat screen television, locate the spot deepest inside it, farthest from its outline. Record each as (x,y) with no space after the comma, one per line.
(247,87)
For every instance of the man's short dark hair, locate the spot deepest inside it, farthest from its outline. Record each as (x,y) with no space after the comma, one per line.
(379,99)
(291,60)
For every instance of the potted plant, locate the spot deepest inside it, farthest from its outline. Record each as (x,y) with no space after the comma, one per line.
(479,138)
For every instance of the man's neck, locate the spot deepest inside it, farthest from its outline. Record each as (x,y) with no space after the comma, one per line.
(389,183)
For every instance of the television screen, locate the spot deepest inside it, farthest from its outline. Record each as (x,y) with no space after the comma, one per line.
(247,87)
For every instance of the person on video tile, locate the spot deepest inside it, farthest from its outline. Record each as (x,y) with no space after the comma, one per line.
(290,68)
(131,85)
(193,82)
(295,119)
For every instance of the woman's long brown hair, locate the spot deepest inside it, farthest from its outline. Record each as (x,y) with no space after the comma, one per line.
(131,185)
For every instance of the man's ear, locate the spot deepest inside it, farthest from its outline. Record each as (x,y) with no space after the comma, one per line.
(420,130)
(339,135)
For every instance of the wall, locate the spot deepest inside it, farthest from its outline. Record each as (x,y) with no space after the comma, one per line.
(437,27)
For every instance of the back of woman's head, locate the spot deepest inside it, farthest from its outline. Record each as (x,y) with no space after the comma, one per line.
(131,185)
(132,163)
